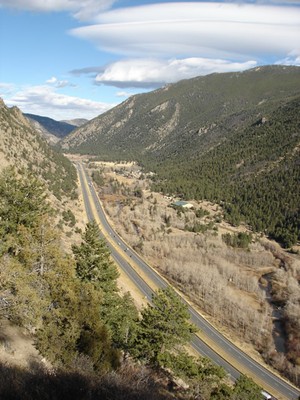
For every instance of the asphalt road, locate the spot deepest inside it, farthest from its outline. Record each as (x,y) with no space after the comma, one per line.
(122,253)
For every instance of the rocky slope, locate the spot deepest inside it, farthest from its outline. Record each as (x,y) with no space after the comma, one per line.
(22,146)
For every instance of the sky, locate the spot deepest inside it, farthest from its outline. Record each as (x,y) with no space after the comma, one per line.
(68,59)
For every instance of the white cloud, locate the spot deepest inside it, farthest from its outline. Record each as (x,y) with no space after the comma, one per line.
(292,59)
(210,30)
(44,100)
(155,72)
(83,10)
(58,83)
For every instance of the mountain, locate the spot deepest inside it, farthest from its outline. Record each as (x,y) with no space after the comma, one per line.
(22,146)
(187,117)
(53,130)
(232,138)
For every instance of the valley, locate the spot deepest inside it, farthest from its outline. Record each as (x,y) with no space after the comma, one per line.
(206,194)
(225,275)
(231,139)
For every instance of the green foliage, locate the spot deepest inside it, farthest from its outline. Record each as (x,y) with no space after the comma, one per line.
(245,388)
(204,379)
(198,227)
(98,178)
(200,213)
(59,172)
(254,175)
(69,217)
(22,203)
(93,263)
(164,326)
(240,239)
(22,200)
(74,306)
(121,318)
(191,369)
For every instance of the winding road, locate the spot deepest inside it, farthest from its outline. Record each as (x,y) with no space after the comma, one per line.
(209,342)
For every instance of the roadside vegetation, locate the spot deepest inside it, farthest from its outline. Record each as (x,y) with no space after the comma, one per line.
(96,343)
(240,279)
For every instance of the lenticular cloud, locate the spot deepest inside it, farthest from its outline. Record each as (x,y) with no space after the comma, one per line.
(83,10)
(210,30)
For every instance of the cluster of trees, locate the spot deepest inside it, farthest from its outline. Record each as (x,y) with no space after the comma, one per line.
(240,239)
(97,177)
(72,305)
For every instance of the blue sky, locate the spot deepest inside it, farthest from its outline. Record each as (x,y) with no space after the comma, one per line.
(70,59)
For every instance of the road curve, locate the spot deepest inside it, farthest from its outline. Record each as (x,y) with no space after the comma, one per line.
(136,269)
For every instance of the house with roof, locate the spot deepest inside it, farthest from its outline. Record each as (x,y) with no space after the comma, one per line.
(183,204)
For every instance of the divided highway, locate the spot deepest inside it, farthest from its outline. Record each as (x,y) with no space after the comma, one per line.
(219,349)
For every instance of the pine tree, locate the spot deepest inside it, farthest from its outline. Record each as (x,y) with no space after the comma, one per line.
(93,263)
(246,388)
(94,266)
(22,200)
(164,326)
(121,317)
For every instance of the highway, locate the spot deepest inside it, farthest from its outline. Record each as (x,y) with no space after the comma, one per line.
(218,348)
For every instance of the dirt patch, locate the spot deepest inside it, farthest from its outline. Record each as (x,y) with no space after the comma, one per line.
(17,347)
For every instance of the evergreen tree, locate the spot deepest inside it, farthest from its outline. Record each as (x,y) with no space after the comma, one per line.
(246,388)
(93,263)
(164,326)
(22,204)
(22,200)
(121,317)
(94,266)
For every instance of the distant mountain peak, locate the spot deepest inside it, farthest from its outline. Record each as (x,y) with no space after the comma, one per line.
(53,130)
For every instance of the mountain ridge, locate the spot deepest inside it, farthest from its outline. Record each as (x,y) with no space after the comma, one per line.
(164,118)
(217,137)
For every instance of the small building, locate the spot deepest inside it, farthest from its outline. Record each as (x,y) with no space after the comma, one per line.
(183,204)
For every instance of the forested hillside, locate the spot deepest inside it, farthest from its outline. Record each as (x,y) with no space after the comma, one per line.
(255,174)
(231,138)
